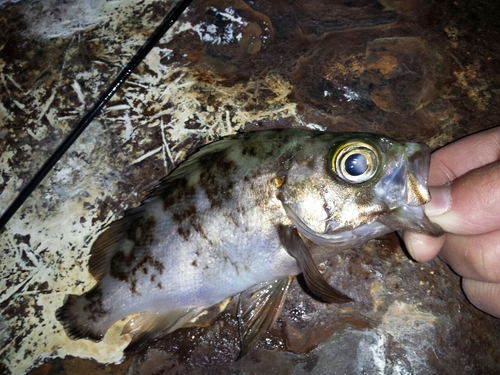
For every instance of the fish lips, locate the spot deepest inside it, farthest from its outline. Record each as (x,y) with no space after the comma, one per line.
(406,180)
(418,158)
(407,191)
(412,219)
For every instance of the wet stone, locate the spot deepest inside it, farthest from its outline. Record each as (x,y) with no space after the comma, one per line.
(404,74)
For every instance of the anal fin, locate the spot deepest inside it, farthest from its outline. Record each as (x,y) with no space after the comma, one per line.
(315,281)
(259,307)
(148,326)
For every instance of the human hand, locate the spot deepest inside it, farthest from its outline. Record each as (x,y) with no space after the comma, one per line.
(465,188)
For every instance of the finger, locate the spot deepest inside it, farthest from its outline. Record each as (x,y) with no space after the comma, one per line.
(464,155)
(422,248)
(471,205)
(474,257)
(485,296)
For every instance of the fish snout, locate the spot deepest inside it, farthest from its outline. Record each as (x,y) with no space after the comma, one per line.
(418,157)
(405,182)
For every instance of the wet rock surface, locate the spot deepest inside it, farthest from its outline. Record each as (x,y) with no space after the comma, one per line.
(413,70)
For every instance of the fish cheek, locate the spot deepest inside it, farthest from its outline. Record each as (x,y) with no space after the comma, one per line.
(307,198)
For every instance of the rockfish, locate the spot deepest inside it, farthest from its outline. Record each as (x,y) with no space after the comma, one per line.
(232,220)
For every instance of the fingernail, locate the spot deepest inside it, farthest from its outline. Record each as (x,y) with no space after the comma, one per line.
(440,200)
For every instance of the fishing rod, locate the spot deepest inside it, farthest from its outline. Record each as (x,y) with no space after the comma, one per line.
(160,31)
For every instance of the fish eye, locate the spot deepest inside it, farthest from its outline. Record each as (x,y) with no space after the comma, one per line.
(355,162)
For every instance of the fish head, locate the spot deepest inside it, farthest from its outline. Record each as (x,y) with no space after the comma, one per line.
(367,185)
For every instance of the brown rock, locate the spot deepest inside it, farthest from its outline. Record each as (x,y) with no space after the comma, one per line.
(404,74)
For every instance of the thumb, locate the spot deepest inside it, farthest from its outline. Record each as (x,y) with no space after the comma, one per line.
(470,205)
(485,296)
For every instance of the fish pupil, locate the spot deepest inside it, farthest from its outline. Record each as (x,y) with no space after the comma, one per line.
(356,164)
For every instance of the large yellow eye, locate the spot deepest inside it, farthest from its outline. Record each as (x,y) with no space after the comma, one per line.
(355,162)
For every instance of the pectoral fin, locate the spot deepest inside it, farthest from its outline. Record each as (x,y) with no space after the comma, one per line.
(148,326)
(258,309)
(314,279)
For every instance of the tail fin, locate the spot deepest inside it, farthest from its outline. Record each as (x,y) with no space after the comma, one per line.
(70,316)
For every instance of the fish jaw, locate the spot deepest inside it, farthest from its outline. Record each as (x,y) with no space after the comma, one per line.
(411,219)
(405,177)
(418,158)
(341,239)
(405,191)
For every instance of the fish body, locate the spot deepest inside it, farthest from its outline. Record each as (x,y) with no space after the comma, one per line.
(232,218)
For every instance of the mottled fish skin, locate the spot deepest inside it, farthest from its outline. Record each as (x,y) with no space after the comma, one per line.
(210,229)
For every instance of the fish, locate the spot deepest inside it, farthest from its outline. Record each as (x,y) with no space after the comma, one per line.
(234,220)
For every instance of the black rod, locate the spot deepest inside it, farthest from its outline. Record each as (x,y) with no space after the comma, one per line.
(168,21)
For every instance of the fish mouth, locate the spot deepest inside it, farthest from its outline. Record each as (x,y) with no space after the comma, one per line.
(405,191)
(417,189)
(407,183)
(413,176)
(418,158)
(412,219)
